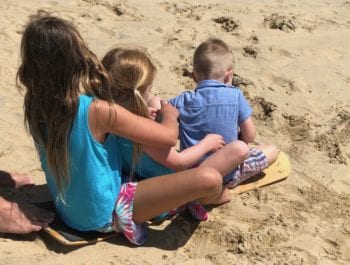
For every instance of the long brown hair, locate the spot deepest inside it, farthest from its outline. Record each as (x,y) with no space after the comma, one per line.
(56,66)
(131,73)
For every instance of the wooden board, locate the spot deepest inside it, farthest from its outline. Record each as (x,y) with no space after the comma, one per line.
(278,171)
(77,238)
(68,236)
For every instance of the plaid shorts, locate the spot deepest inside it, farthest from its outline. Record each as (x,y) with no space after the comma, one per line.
(254,164)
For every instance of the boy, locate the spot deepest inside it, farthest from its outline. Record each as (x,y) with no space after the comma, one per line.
(215,106)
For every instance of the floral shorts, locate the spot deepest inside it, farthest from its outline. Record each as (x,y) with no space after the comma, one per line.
(254,164)
(122,216)
(136,233)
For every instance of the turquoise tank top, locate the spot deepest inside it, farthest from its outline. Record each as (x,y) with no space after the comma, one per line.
(95,176)
(146,166)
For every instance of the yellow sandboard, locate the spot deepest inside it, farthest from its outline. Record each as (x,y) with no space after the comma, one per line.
(278,171)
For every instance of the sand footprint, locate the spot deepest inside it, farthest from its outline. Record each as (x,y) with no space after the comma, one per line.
(336,244)
(283,23)
(252,50)
(230,237)
(262,108)
(183,74)
(119,9)
(298,127)
(345,249)
(227,23)
(278,83)
(335,141)
(181,10)
(240,81)
(181,35)
(5,149)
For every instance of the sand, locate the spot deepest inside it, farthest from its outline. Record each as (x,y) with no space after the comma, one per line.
(293,64)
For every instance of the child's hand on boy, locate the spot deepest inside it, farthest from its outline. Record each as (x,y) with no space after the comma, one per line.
(168,111)
(153,112)
(214,141)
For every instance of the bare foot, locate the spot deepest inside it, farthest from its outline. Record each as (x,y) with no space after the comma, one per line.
(22,219)
(224,197)
(14,180)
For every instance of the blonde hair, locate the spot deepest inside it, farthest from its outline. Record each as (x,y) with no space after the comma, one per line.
(56,65)
(212,59)
(131,73)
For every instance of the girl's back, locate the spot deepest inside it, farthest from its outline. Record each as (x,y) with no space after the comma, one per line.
(94,177)
(56,67)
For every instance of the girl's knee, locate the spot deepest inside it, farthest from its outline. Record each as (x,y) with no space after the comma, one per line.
(210,179)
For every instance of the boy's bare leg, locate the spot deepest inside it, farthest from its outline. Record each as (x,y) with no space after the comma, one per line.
(156,195)
(22,219)
(227,158)
(270,151)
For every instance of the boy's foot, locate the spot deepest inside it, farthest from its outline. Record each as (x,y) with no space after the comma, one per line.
(22,219)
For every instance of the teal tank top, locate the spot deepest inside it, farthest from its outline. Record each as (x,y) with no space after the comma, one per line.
(145,168)
(95,176)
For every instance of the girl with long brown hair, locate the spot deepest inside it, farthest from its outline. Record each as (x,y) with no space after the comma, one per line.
(69,112)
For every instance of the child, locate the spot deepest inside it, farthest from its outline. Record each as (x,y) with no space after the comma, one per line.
(217,107)
(70,115)
(132,74)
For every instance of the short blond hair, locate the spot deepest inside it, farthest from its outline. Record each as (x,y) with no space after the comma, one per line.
(212,59)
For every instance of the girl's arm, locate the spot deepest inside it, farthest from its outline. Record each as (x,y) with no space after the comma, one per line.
(105,118)
(178,161)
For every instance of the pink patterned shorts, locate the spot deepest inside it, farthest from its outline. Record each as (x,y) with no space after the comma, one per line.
(123,212)
(122,215)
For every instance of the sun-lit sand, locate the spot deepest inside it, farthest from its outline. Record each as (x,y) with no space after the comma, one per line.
(293,64)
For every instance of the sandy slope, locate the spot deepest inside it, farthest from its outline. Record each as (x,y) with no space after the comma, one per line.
(293,63)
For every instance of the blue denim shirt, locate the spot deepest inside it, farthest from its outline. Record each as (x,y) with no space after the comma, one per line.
(213,107)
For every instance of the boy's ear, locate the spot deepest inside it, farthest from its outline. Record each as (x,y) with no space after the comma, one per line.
(194,77)
(228,76)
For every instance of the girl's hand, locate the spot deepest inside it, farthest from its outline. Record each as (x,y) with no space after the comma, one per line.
(168,111)
(152,112)
(214,141)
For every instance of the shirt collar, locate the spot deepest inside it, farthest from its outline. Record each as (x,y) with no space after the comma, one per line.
(210,83)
